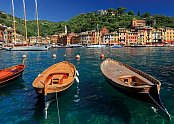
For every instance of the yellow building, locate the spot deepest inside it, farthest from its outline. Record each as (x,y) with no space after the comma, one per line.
(148,35)
(167,34)
(145,35)
(54,38)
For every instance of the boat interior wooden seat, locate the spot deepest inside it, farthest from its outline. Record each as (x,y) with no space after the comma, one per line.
(57,78)
(132,80)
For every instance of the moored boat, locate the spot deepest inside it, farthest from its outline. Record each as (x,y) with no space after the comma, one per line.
(8,74)
(137,45)
(56,78)
(73,46)
(96,46)
(28,48)
(116,46)
(133,82)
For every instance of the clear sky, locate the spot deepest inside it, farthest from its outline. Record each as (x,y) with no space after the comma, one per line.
(62,10)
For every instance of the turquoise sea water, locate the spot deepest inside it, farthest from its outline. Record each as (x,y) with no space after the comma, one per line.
(92,100)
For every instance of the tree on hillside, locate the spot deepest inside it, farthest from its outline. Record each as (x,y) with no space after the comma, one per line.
(138,13)
(111,10)
(131,13)
(121,10)
(146,15)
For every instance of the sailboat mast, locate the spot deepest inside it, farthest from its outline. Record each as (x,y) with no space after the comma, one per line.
(25,22)
(14,26)
(37,21)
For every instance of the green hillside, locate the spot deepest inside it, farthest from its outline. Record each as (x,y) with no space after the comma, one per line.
(114,19)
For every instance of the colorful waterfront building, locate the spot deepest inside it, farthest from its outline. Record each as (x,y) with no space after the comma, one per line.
(88,37)
(66,39)
(168,35)
(148,35)
(132,37)
(2,30)
(122,35)
(144,35)
(8,34)
(141,36)
(84,38)
(156,36)
(110,38)
(75,39)
(32,40)
(54,38)
(19,38)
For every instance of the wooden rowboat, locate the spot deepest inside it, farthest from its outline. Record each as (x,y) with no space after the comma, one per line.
(132,82)
(56,78)
(8,74)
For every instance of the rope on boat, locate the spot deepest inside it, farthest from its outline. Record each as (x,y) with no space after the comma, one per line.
(164,109)
(58,114)
(46,107)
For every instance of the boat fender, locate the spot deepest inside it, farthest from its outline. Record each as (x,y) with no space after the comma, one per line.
(77,79)
(77,73)
(24,56)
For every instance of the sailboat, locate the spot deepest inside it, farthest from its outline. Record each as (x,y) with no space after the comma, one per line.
(26,48)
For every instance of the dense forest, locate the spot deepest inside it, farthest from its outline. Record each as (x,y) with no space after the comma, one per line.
(112,19)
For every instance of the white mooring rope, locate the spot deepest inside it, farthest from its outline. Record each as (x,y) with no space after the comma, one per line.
(58,114)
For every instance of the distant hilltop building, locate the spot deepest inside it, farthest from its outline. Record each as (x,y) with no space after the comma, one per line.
(102,12)
(138,23)
(2,12)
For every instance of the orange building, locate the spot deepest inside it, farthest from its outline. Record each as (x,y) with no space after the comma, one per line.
(66,39)
(132,37)
(138,23)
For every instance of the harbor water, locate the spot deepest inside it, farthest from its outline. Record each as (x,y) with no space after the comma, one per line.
(92,100)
